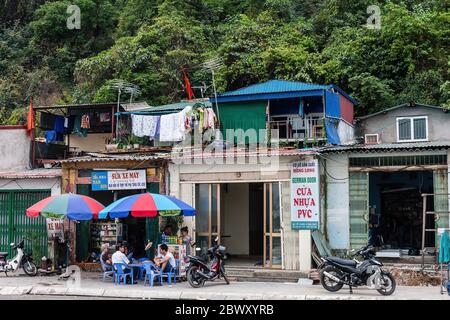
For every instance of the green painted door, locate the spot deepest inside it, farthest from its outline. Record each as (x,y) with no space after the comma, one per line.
(83,229)
(440,186)
(15,225)
(152,224)
(359,208)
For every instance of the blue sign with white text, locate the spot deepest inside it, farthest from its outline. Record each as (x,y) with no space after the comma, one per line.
(99,180)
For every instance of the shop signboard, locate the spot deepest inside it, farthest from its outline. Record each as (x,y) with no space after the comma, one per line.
(55,228)
(119,180)
(305,205)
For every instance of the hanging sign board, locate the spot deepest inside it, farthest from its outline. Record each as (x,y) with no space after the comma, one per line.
(55,228)
(119,180)
(305,198)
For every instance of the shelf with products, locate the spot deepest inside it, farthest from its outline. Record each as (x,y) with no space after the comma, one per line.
(105,233)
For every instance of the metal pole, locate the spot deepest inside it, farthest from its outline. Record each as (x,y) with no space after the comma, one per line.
(215,94)
(424,214)
(117,112)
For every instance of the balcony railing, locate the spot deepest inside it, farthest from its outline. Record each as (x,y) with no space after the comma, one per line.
(299,128)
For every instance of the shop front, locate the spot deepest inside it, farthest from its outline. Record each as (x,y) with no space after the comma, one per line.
(396,201)
(246,205)
(107,179)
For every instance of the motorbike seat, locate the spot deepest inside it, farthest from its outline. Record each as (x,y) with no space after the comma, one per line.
(344,262)
(3,254)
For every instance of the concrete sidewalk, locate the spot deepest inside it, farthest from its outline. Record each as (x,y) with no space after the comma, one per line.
(90,285)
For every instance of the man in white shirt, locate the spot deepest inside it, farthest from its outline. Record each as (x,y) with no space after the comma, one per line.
(165,260)
(120,257)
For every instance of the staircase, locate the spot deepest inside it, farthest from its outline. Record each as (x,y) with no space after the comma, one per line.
(258,274)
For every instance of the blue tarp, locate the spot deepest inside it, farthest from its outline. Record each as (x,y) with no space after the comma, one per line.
(332,103)
(331,130)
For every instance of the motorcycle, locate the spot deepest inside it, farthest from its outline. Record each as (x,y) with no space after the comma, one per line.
(336,272)
(198,271)
(22,259)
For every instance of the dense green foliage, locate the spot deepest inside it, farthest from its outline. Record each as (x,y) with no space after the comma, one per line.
(146,42)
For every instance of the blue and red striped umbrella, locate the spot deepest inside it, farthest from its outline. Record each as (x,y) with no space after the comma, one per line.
(70,206)
(146,205)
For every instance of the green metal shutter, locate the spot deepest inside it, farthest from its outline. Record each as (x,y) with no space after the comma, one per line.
(152,224)
(440,185)
(15,225)
(359,208)
(83,229)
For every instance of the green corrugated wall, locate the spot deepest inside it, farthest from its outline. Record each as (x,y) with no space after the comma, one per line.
(243,115)
(15,225)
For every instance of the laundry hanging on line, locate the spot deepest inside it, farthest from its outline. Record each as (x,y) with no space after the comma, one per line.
(143,125)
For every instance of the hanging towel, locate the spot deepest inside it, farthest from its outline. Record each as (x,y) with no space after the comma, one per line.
(77,129)
(444,250)
(59,124)
(85,124)
(136,125)
(211,118)
(66,123)
(172,126)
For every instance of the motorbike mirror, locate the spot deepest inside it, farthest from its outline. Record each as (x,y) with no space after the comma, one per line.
(216,239)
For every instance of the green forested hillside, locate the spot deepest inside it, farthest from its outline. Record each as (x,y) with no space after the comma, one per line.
(146,42)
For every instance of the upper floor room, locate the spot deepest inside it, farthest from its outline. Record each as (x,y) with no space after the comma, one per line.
(405,123)
(300,112)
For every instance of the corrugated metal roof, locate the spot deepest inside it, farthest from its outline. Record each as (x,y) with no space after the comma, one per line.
(32,174)
(135,106)
(408,105)
(412,146)
(173,107)
(275,86)
(98,157)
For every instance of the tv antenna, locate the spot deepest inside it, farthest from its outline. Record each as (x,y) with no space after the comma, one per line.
(123,86)
(212,65)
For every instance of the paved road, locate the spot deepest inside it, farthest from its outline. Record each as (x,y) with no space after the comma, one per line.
(90,286)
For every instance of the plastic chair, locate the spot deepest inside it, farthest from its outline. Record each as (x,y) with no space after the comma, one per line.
(120,273)
(106,272)
(172,274)
(142,269)
(150,273)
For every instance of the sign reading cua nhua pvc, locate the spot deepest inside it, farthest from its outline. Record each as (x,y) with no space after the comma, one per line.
(119,180)
(305,199)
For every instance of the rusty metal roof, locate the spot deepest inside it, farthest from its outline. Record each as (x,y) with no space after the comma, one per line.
(389,147)
(31,174)
(99,157)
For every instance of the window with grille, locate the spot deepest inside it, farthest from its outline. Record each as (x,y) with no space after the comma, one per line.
(412,129)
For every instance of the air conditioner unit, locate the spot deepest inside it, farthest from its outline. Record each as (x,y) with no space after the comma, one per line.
(372,138)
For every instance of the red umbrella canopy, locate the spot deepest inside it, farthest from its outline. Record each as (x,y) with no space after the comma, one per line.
(70,206)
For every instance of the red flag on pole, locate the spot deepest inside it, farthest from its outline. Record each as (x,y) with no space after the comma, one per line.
(188,85)
(30,119)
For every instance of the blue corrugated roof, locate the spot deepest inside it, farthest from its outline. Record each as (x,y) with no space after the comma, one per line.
(274,89)
(275,86)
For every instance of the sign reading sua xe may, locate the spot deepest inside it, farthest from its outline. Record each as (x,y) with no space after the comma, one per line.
(119,180)
(305,195)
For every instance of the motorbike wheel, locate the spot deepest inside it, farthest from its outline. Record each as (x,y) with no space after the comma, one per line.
(30,268)
(388,284)
(195,280)
(329,284)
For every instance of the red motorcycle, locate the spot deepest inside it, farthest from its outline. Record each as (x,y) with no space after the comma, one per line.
(198,271)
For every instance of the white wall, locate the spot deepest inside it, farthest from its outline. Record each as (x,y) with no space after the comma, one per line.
(42,184)
(235,218)
(14,149)
(337,212)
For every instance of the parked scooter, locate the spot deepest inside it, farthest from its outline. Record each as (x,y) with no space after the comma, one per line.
(198,271)
(335,272)
(21,259)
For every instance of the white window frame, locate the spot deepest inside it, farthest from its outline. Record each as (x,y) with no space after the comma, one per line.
(411,119)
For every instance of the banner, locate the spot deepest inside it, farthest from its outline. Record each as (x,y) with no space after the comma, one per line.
(305,197)
(119,180)
(55,228)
